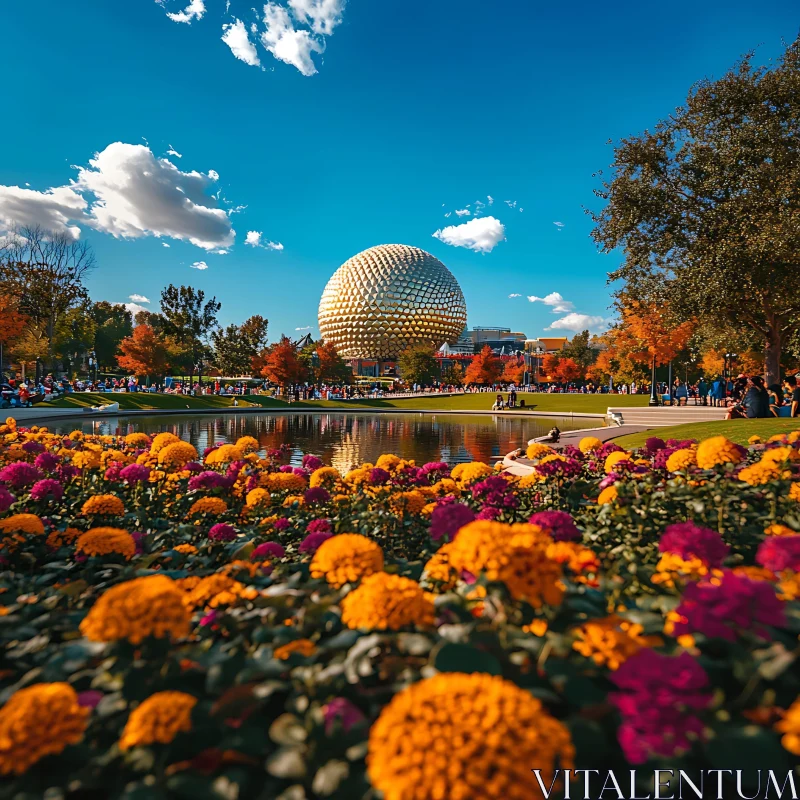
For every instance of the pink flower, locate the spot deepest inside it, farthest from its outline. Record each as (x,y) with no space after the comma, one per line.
(343,712)
(112,473)
(209,618)
(267,550)
(281,524)
(735,604)
(311,462)
(46,461)
(778,553)
(316,494)
(489,513)
(319,526)
(222,532)
(33,447)
(90,698)
(378,475)
(447,518)
(135,473)
(658,700)
(312,542)
(47,488)
(688,540)
(19,474)
(6,499)
(207,480)
(561,525)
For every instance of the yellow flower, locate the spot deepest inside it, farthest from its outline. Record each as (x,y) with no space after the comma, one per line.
(681,460)
(672,568)
(780,455)
(386,602)
(346,558)
(136,609)
(39,721)
(102,541)
(779,530)
(449,738)
(444,487)
(247,444)
(158,720)
(224,454)
(789,726)
(108,456)
(285,481)
(76,436)
(515,555)
(612,459)
(465,474)
(608,495)
(755,439)
(208,505)
(103,505)
(388,461)
(762,472)
(161,440)
(794,492)
(611,641)
(86,459)
(185,549)
(137,440)
(303,646)
(589,443)
(22,523)
(716,451)
(412,501)
(438,570)
(789,585)
(217,590)
(537,450)
(177,454)
(257,498)
(327,477)
(577,558)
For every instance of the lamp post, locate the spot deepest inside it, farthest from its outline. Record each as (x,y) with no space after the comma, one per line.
(93,365)
(38,370)
(539,353)
(653,395)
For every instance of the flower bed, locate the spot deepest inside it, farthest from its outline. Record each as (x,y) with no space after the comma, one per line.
(181,625)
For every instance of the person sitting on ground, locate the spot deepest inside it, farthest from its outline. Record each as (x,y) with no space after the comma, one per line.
(793,390)
(554,435)
(499,405)
(775,399)
(754,403)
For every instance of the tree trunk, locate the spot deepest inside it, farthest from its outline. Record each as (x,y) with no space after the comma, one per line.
(772,355)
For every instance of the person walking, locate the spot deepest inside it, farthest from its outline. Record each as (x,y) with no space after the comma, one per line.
(702,389)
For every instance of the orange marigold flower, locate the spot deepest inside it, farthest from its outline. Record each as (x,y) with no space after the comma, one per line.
(257,497)
(789,585)
(208,505)
(537,450)
(284,481)
(65,537)
(794,492)
(612,459)
(779,530)
(136,609)
(161,440)
(22,523)
(137,440)
(224,454)
(303,646)
(589,443)
(346,558)
(780,455)
(158,720)
(575,557)
(39,721)
(412,501)
(445,486)
(103,541)
(671,568)
(716,451)
(465,474)
(611,641)
(103,505)
(185,549)
(438,571)
(762,472)
(608,495)
(247,444)
(177,454)
(756,573)
(388,461)
(448,737)
(386,602)
(86,459)
(327,477)
(217,590)
(789,726)
(515,555)
(681,460)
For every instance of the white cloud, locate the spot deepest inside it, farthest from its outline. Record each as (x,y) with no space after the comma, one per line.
(304,328)
(559,226)
(554,299)
(236,37)
(580,322)
(448,214)
(139,195)
(479,234)
(164,244)
(138,298)
(194,10)
(53,209)
(462,212)
(515,295)
(173,152)
(510,203)
(135,308)
(490,199)
(322,16)
(254,239)
(287,44)
(199,265)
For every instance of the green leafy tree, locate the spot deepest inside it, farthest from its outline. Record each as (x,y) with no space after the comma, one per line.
(75,335)
(113,324)
(705,207)
(580,350)
(453,375)
(418,364)
(236,345)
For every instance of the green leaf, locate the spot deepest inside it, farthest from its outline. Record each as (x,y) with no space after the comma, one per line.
(453,657)
(749,748)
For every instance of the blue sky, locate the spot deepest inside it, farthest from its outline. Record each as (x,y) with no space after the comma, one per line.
(417,108)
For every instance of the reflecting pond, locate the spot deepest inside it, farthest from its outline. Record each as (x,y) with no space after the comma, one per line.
(344,439)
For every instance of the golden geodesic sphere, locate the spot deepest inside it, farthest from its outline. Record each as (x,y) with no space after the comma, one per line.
(389,297)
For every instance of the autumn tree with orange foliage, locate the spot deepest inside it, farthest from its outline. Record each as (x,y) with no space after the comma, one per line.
(12,324)
(484,369)
(280,363)
(514,372)
(144,352)
(331,366)
(561,369)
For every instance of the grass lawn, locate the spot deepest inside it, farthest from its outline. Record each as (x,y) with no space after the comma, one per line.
(737,430)
(564,403)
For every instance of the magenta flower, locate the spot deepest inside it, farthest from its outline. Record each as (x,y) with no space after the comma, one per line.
(688,540)
(138,538)
(343,712)
(207,480)
(489,512)
(46,462)
(313,540)
(733,605)
(448,518)
(222,532)
(19,474)
(377,475)
(562,526)
(66,472)
(112,473)
(6,499)
(434,471)
(311,462)
(286,468)
(281,524)
(658,700)
(654,444)
(193,466)
(316,494)
(90,698)
(47,488)
(33,447)
(135,473)
(209,618)
(319,526)
(267,550)
(778,553)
